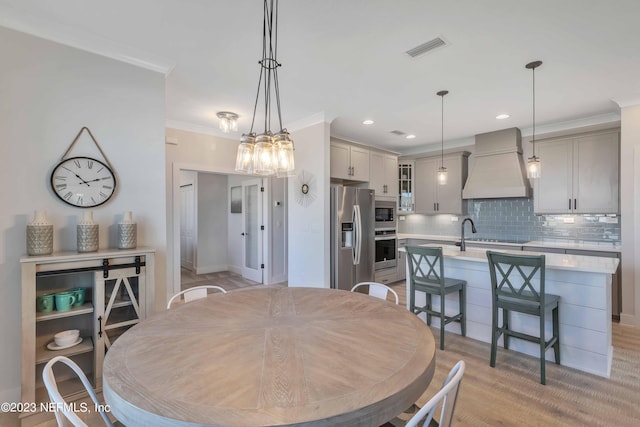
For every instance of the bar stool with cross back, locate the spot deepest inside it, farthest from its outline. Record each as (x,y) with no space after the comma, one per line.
(433,282)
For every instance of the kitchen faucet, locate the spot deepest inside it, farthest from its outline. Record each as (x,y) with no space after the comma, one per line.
(463,247)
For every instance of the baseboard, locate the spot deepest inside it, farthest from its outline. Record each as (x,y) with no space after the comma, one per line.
(211,269)
(628,319)
(235,269)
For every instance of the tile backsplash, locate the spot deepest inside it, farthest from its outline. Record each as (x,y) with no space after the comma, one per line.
(513,219)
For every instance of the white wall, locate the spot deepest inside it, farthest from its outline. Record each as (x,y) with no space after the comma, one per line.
(630,213)
(309,255)
(47,93)
(212,223)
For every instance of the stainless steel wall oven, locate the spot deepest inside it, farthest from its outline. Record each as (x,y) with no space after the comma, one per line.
(386,244)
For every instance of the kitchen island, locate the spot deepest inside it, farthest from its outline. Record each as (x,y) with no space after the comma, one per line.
(583,283)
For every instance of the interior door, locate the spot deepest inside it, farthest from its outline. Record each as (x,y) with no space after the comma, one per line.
(252,233)
(187,226)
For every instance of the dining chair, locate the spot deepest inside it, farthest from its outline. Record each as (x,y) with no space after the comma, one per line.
(63,411)
(378,290)
(513,289)
(447,395)
(192,294)
(426,274)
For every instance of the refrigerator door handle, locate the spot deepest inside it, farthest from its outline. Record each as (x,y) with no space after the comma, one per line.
(358,230)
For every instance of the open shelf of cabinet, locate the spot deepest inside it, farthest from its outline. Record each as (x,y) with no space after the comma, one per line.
(119,293)
(86,308)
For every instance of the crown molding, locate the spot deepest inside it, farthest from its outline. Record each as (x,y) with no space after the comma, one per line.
(54,31)
(629,101)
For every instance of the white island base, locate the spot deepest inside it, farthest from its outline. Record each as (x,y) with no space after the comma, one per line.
(583,283)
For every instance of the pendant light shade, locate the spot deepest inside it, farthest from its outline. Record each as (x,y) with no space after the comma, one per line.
(267,153)
(533,163)
(442,171)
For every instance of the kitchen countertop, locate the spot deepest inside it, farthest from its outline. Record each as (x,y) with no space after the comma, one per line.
(555,261)
(556,244)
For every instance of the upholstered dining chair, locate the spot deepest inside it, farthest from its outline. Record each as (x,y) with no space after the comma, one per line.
(513,288)
(194,293)
(64,412)
(426,274)
(447,396)
(378,290)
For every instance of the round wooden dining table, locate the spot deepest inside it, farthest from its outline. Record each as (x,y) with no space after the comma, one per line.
(270,356)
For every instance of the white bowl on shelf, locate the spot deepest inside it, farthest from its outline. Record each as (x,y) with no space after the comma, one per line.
(66,338)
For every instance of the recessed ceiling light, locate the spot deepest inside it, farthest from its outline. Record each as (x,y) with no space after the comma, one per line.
(502,116)
(367,122)
(410,136)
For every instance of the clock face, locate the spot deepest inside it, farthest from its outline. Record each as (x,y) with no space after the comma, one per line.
(83,182)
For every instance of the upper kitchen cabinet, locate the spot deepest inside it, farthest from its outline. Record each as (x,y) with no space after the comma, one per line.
(580,174)
(432,198)
(383,173)
(349,162)
(405,186)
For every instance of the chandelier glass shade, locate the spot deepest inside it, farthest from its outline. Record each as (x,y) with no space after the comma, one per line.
(533,162)
(267,153)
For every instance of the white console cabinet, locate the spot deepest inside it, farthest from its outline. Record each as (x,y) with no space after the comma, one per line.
(118,294)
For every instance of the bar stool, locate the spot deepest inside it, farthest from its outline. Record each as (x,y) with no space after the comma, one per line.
(512,290)
(433,282)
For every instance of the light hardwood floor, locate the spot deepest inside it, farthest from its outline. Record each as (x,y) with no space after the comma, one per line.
(511,395)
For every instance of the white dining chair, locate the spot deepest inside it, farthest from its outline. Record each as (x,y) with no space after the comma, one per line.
(448,395)
(194,293)
(63,411)
(377,290)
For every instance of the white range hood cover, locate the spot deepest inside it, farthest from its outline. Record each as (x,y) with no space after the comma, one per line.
(498,169)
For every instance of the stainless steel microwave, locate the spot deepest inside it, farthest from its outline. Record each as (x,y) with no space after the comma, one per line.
(385,213)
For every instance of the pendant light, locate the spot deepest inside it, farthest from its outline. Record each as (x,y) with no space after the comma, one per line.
(266,153)
(442,171)
(533,163)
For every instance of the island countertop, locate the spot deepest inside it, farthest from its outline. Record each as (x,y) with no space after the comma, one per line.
(592,264)
(579,245)
(582,282)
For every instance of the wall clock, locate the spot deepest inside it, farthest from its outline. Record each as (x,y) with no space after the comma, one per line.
(83,182)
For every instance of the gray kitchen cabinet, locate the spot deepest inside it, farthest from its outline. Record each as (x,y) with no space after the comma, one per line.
(383,173)
(119,293)
(432,198)
(349,162)
(406,182)
(580,174)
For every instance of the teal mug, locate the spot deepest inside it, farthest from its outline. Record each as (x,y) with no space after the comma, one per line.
(44,303)
(80,294)
(65,300)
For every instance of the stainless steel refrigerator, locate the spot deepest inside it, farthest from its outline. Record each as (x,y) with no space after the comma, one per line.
(352,236)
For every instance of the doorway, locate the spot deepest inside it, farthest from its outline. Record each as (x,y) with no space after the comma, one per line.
(273,242)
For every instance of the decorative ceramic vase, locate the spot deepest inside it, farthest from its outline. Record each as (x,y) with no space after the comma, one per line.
(127,232)
(39,235)
(87,234)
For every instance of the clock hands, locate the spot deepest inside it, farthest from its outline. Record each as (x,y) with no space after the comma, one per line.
(83,181)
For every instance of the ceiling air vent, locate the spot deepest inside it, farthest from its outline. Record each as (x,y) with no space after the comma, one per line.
(426,47)
(397,132)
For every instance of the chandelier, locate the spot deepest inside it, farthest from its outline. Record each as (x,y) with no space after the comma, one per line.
(267,153)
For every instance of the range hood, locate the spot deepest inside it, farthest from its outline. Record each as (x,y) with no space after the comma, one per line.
(498,169)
